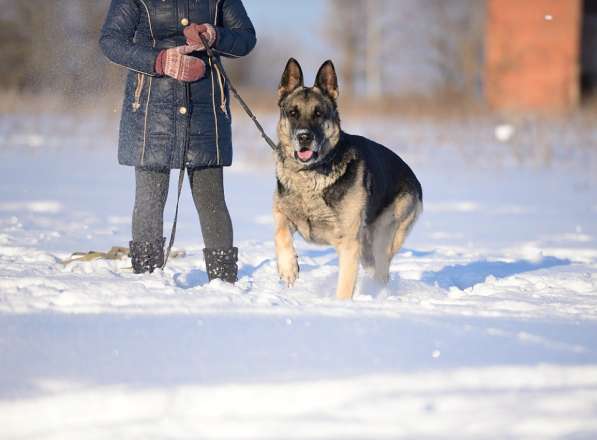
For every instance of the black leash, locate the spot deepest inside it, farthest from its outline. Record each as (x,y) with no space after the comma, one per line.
(180,179)
(215,60)
(241,101)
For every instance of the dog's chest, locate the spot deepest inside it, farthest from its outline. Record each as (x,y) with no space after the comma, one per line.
(312,217)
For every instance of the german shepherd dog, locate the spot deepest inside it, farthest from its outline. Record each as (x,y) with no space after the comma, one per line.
(335,188)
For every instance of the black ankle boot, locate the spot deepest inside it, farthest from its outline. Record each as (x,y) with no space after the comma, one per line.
(221,264)
(146,255)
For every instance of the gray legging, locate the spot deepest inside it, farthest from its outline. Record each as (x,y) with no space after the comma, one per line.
(207,187)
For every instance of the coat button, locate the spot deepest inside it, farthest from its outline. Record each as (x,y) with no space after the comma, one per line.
(184,21)
(183,110)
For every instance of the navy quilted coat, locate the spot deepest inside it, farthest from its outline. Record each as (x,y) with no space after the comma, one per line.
(162,117)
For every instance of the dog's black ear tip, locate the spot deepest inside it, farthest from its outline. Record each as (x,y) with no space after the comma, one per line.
(327,79)
(292,78)
(326,70)
(328,64)
(293,66)
(292,61)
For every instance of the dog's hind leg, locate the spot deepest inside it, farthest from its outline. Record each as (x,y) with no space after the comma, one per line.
(382,232)
(390,231)
(407,210)
(367,257)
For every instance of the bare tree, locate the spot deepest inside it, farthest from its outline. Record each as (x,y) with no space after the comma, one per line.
(457,43)
(346,28)
(22,45)
(57,50)
(373,49)
(447,34)
(13,46)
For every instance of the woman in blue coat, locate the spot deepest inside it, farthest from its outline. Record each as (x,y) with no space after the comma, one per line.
(176,113)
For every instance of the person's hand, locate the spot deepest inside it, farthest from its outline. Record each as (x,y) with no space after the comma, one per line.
(193,31)
(177,64)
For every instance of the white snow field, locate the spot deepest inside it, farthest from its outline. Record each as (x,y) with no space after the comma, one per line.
(487,329)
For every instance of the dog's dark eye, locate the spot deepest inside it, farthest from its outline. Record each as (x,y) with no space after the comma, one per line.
(317,113)
(293,113)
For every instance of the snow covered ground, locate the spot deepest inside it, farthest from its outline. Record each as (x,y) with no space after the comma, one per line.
(488,327)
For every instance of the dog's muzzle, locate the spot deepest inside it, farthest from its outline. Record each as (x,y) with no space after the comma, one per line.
(305,147)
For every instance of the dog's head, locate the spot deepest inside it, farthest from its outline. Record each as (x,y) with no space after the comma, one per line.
(309,126)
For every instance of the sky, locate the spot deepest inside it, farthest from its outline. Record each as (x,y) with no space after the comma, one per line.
(276,16)
(296,27)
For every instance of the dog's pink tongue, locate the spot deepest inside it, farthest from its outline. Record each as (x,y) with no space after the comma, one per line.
(305,154)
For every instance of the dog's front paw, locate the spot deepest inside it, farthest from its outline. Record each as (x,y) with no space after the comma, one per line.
(288,269)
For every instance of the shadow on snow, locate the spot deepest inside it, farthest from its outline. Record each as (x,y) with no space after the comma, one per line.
(464,276)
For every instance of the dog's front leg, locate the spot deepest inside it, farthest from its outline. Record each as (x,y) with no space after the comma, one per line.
(288,267)
(348,253)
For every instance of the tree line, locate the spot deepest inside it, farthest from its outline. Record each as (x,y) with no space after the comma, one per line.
(51,46)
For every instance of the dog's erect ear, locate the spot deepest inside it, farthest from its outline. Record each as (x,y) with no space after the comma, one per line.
(292,78)
(327,81)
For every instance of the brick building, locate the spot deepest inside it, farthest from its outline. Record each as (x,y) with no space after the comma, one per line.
(533,53)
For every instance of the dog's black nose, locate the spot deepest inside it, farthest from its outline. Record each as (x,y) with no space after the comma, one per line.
(305,138)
